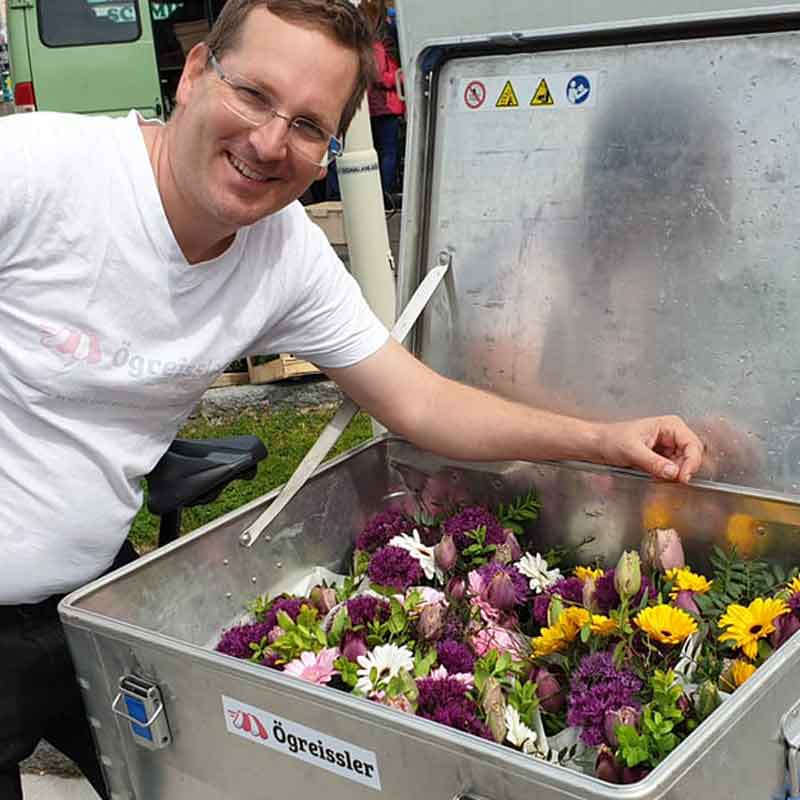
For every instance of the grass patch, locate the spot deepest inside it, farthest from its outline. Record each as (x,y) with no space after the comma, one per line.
(287,434)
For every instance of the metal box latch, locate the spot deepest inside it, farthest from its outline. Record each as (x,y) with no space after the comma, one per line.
(144,710)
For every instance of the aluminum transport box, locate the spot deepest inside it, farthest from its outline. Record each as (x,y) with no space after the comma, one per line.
(615,186)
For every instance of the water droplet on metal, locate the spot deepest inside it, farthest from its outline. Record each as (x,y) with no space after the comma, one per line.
(279,564)
(228,595)
(253,579)
(225,562)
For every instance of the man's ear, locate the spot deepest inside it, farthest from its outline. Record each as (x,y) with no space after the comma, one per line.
(193,70)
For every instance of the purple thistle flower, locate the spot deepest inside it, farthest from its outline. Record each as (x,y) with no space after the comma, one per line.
(607,597)
(453,628)
(364,609)
(570,590)
(518,580)
(236,641)
(455,657)
(468,520)
(598,686)
(445,700)
(394,567)
(381,528)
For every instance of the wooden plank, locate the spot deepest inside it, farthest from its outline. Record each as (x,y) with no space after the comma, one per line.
(280,368)
(231,379)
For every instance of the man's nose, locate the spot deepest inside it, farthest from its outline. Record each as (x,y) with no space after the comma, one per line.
(271,140)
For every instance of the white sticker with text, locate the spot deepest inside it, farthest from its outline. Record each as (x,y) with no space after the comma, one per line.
(295,740)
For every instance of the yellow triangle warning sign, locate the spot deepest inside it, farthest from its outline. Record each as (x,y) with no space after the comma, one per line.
(508,97)
(542,96)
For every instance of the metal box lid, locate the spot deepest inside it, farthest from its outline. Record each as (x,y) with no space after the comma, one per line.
(617,190)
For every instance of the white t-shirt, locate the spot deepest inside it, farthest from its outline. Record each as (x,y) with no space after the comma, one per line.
(108,337)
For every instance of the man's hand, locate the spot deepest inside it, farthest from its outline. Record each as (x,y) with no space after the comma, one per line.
(663,446)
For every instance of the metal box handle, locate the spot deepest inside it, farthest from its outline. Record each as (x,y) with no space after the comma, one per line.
(140,723)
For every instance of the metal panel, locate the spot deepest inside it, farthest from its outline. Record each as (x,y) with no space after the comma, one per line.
(634,255)
(117,626)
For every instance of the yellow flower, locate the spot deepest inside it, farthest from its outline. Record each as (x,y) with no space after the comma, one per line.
(572,620)
(603,626)
(666,624)
(736,674)
(685,579)
(794,585)
(747,625)
(558,636)
(588,573)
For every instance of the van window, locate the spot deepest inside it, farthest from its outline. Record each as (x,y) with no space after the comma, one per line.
(64,23)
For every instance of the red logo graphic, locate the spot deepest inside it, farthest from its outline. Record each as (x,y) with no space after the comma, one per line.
(76,345)
(475,94)
(249,723)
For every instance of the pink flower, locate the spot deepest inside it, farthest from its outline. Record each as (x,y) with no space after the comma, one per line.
(493,637)
(467,678)
(314,667)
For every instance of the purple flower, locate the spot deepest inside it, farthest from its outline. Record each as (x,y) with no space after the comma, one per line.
(445,700)
(518,580)
(453,628)
(794,604)
(469,519)
(236,641)
(570,590)
(455,657)
(364,609)
(607,597)
(381,528)
(596,687)
(394,567)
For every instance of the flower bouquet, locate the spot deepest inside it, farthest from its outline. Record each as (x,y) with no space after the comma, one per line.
(458,618)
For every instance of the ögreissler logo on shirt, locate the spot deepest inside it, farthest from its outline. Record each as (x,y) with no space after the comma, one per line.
(306,744)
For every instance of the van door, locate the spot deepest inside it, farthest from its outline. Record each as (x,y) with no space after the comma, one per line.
(93,56)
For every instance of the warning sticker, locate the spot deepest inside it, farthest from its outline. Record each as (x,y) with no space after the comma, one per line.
(542,96)
(474,95)
(508,98)
(566,92)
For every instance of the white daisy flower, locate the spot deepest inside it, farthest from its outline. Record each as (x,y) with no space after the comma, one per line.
(518,733)
(535,569)
(419,552)
(386,661)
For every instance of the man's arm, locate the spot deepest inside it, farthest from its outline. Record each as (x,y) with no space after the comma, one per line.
(458,421)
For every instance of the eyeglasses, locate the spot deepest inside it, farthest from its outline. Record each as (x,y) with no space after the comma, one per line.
(305,137)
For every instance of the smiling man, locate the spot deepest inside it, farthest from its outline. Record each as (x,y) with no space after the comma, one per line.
(136,261)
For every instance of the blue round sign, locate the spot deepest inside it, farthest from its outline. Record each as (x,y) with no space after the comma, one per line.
(578,89)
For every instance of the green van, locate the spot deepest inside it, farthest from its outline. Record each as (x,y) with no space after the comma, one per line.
(102,56)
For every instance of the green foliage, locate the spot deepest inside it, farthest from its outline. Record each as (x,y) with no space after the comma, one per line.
(287,434)
(492,665)
(736,580)
(523,697)
(477,553)
(259,607)
(519,512)
(423,662)
(304,634)
(348,671)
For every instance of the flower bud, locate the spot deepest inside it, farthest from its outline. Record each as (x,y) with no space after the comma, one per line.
(662,550)
(513,543)
(549,691)
(494,705)
(502,554)
(707,699)
(627,715)
(446,553)
(431,621)
(353,645)
(589,599)
(456,588)
(554,610)
(500,592)
(685,600)
(634,774)
(323,599)
(683,704)
(275,633)
(606,767)
(628,574)
(785,626)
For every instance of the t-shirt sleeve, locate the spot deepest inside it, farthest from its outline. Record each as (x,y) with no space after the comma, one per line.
(327,319)
(15,180)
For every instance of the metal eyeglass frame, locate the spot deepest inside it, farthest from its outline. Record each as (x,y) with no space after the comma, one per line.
(335,144)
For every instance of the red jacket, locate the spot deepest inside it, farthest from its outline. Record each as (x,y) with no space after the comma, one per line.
(383,97)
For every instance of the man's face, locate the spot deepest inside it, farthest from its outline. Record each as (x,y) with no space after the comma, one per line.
(223,166)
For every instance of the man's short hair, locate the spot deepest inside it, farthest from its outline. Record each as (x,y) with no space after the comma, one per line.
(341,20)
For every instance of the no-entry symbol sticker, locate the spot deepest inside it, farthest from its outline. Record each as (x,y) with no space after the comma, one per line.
(475,94)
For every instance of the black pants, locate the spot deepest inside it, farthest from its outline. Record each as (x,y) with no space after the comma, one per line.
(39,695)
